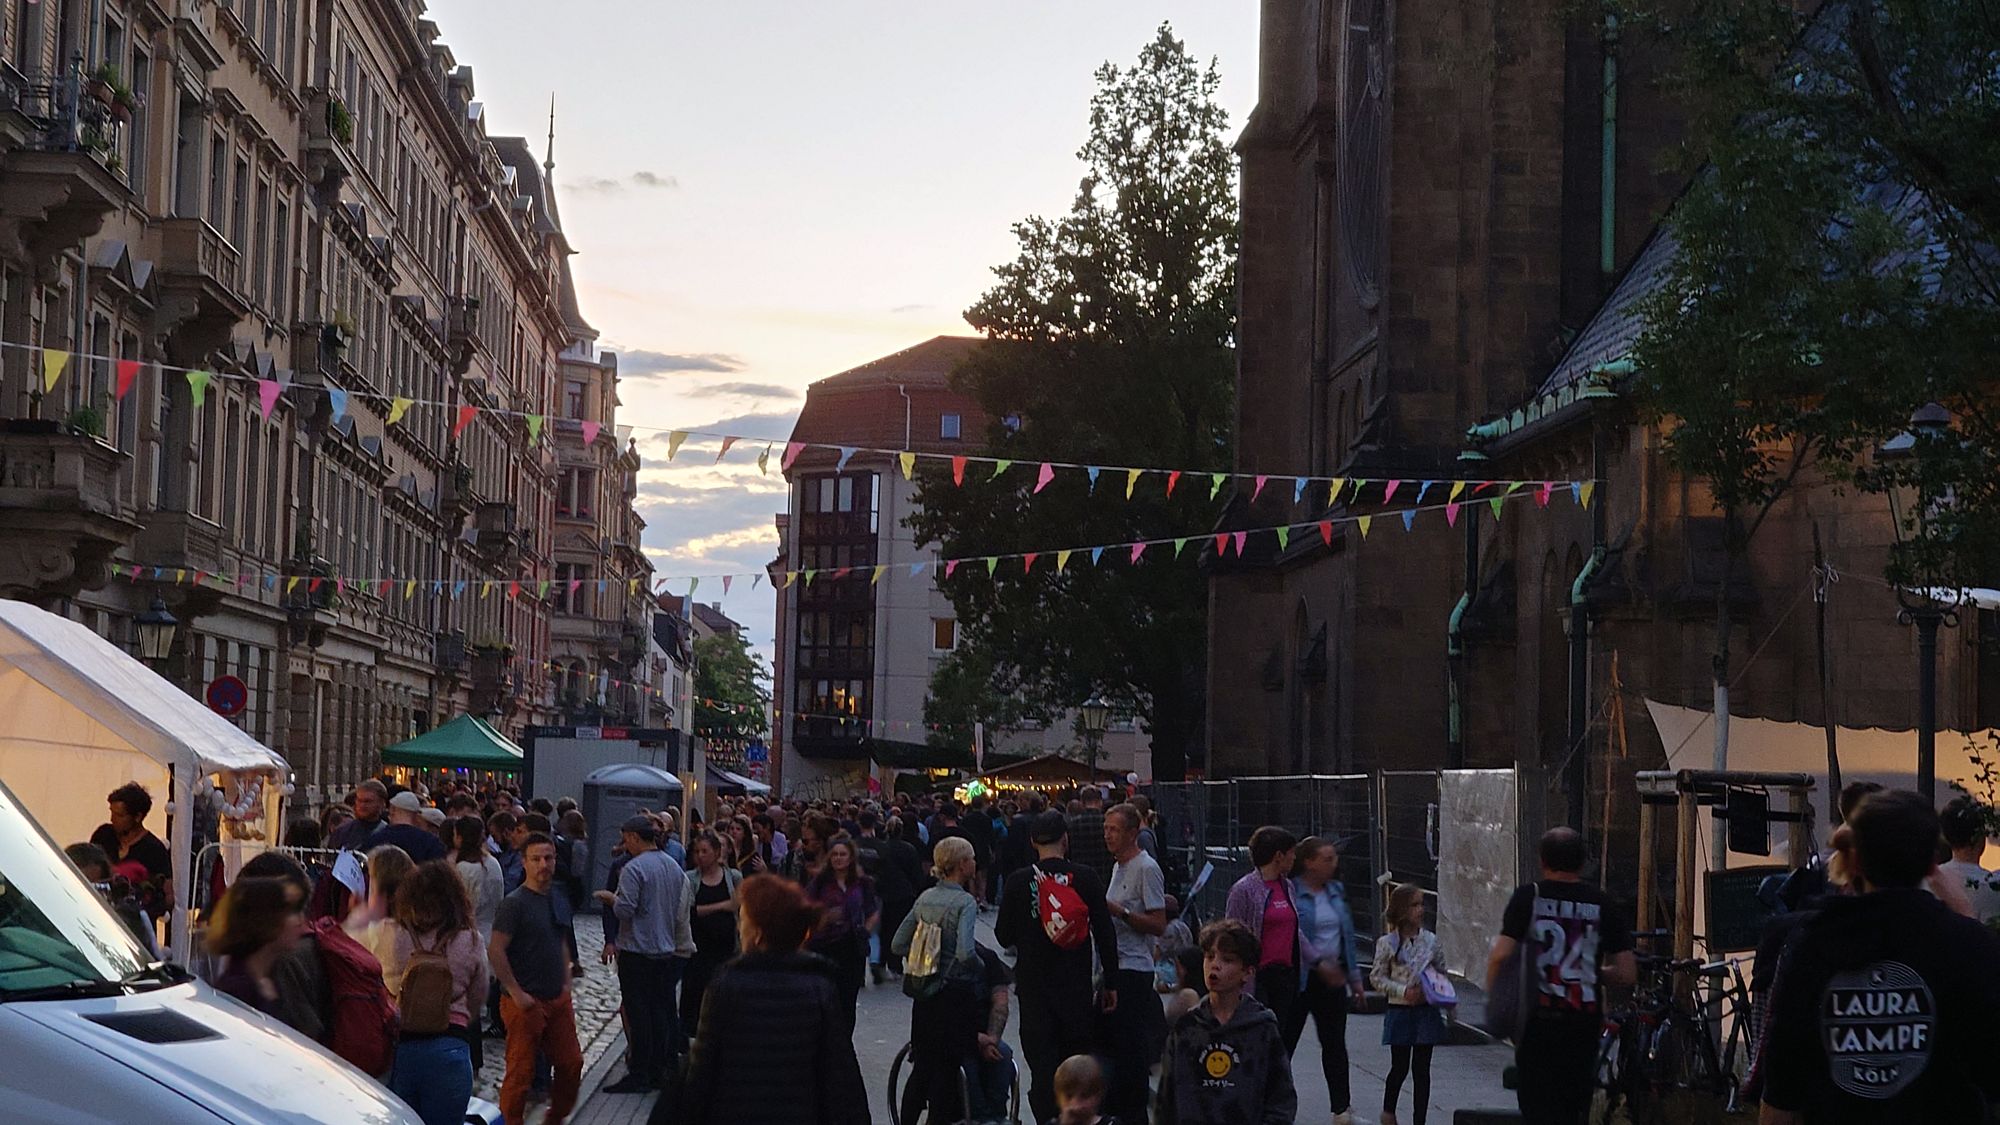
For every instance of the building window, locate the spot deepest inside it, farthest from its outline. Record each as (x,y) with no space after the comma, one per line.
(576,493)
(949,427)
(944,634)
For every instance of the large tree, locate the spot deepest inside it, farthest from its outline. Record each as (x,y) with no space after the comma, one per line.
(1833,263)
(730,697)
(1112,335)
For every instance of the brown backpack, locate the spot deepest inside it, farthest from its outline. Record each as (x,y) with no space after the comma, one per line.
(428,990)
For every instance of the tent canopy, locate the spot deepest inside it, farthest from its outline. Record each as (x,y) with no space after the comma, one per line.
(83,718)
(726,781)
(466,741)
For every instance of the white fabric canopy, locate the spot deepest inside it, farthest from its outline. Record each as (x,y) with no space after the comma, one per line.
(82,718)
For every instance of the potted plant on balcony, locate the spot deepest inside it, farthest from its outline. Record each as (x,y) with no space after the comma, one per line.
(123,102)
(339,122)
(87,420)
(102,84)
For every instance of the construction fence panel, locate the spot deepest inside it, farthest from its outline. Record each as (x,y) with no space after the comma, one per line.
(1406,835)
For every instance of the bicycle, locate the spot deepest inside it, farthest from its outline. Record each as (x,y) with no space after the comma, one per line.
(1664,1049)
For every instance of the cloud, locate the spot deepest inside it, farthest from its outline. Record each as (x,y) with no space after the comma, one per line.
(614,185)
(742,390)
(639,363)
(903,310)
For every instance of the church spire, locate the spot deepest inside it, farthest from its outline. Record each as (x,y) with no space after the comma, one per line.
(549,164)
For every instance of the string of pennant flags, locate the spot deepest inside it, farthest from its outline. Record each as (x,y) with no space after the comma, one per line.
(1461,494)
(55,363)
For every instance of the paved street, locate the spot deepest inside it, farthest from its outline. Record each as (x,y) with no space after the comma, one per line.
(1462,1077)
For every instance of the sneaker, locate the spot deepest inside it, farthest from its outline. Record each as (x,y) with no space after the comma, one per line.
(630,1084)
(878,973)
(1344,1117)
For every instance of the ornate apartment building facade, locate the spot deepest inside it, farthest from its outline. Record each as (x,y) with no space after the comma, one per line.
(302,191)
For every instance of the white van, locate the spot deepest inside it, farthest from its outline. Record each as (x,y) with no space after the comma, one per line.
(93,1031)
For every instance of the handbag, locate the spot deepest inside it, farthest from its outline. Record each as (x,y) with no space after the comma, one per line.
(1439,992)
(1507,1004)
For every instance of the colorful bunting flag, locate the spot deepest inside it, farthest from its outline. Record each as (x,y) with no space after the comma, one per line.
(590,432)
(1043,476)
(846,455)
(876,580)
(917,569)
(1092,472)
(999,467)
(1583,496)
(1062,561)
(1326,532)
(1096,555)
(53,362)
(1364,522)
(1240,537)
(790,577)
(336,403)
(1497,502)
(1298,489)
(992,564)
(268,391)
(674,440)
(1137,550)
(1284,537)
(1179,546)
(1457,489)
(958,471)
(1542,494)
(1409,517)
(128,370)
(1173,478)
(1131,481)
(950,567)
(1028,561)
(693,585)
(792,451)
(397,408)
(723,452)
(764,462)
(1451,513)
(909,463)
(465,416)
(1389,490)
(198,386)
(1215,483)
(1258,489)
(1222,544)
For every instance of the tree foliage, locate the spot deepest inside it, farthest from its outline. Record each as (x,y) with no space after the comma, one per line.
(729,679)
(1112,331)
(1834,264)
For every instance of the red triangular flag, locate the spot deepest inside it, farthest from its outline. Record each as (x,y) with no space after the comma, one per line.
(128,370)
(1028,561)
(1221,544)
(1173,479)
(1326,532)
(958,470)
(467,413)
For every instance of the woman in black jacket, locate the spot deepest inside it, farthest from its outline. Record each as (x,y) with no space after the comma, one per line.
(772,1011)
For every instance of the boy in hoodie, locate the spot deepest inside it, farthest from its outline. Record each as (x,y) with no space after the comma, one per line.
(1225,1062)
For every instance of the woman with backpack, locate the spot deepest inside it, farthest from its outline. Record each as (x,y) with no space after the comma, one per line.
(851,911)
(438,976)
(941,972)
(712,894)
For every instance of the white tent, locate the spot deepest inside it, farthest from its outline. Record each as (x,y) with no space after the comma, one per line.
(81,717)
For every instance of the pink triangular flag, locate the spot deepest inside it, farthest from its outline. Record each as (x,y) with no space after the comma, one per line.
(792,451)
(950,565)
(1137,550)
(1044,476)
(1389,490)
(268,391)
(1543,493)
(1240,537)
(726,579)
(724,452)
(1259,489)
(590,431)
(1451,514)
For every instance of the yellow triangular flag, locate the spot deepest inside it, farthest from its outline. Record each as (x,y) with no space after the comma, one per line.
(1589,487)
(485,588)
(909,462)
(1131,481)
(674,441)
(1062,560)
(53,362)
(791,576)
(396,409)
(409,589)
(291,584)
(1365,521)
(1333,490)
(1457,489)
(878,575)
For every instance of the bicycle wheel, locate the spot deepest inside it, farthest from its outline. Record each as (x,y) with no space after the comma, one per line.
(1614,1072)
(895,1085)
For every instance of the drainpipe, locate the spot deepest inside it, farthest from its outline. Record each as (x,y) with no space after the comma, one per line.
(905,392)
(1576,772)
(1454,643)
(1607,197)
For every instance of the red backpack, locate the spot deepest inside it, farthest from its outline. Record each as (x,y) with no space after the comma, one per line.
(1064,917)
(361,1027)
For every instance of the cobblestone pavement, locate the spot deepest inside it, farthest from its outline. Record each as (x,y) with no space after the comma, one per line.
(596,998)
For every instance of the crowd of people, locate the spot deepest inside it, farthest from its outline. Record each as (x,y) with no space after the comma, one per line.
(404,928)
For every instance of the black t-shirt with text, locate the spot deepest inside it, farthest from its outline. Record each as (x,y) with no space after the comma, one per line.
(1884,1011)
(1570,930)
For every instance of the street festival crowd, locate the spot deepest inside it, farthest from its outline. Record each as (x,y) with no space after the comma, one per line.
(415,926)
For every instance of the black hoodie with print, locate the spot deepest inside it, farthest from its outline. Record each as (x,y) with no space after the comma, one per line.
(1237,1073)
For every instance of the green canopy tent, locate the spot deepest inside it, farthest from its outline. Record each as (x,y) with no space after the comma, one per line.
(466,742)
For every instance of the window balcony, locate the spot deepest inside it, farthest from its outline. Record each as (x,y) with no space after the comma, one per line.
(59,156)
(200,281)
(329,153)
(60,517)
(181,540)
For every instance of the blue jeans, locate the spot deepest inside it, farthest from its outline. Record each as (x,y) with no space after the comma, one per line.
(435,1076)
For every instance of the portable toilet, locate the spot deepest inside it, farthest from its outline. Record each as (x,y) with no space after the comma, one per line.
(611,795)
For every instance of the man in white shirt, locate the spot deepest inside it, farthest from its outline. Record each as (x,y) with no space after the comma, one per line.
(1963,822)
(1137,899)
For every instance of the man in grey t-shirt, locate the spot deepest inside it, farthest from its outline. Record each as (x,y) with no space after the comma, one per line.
(532,965)
(1137,899)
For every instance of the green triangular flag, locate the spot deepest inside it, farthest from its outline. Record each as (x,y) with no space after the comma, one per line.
(1497,502)
(992,564)
(198,386)
(1215,483)
(1178,544)
(1515,486)
(543,593)
(1284,538)
(1000,467)
(534,427)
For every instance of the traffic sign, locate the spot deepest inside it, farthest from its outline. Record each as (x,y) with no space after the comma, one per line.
(227,696)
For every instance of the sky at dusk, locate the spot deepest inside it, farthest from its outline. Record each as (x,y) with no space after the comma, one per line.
(768,192)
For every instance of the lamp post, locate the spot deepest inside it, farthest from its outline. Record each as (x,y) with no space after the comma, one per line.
(1096,714)
(1924,578)
(156,634)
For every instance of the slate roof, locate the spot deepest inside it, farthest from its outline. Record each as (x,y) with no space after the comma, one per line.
(930,362)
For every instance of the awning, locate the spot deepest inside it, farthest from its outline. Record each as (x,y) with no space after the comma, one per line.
(466,742)
(723,779)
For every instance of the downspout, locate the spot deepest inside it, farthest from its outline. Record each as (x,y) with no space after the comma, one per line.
(1607,192)
(1576,773)
(1454,643)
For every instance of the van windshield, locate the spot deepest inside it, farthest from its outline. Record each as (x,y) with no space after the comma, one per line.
(55,931)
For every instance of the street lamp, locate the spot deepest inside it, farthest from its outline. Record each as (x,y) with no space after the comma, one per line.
(156,633)
(1096,714)
(1925,597)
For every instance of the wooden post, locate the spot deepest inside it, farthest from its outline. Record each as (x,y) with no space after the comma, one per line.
(1801,834)
(1685,873)
(1646,865)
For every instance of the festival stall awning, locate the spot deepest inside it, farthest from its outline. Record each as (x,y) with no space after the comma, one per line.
(1045,773)
(727,782)
(466,742)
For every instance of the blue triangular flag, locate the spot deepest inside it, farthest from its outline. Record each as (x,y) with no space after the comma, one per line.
(270,581)
(157,573)
(917,569)
(1298,489)
(1095,554)
(1092,472)
(600,585)
(1426,488)
(846,452)
(458,588)
(337,398)
(1409,517)
(1576,491)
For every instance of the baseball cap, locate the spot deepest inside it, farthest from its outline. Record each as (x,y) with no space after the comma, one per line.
(407,801)
(435,816)
(1048,827)
(640,826)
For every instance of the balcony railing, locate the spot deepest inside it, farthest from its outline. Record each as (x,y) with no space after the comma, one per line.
(68,112)
(191,248)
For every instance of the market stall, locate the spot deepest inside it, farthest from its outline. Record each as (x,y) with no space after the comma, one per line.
(467,746)
(83,717)
(1048,774)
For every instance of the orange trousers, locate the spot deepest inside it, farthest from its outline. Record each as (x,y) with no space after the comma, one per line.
(548,1028)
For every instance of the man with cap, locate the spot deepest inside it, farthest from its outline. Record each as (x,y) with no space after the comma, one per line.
(654,940)
(1053,983)
(409,830)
